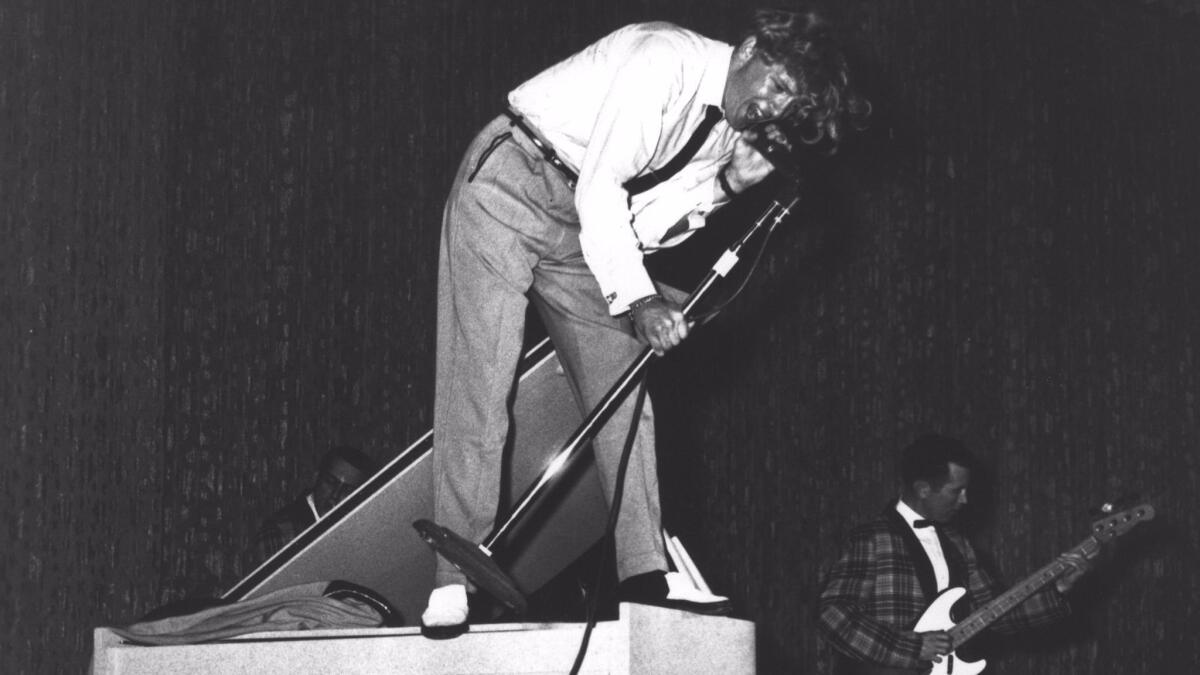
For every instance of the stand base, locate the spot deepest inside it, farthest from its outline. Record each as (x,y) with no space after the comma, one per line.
(474,562)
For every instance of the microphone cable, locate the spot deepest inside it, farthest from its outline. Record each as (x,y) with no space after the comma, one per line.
(706,316)
(609,544)
(614,511)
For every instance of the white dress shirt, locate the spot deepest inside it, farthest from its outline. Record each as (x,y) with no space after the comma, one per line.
(930,542)
(627,103)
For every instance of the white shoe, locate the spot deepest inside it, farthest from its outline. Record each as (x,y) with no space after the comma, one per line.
(447,608)
(681,589)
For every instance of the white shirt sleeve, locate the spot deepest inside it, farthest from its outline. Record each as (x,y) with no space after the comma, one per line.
(628,128)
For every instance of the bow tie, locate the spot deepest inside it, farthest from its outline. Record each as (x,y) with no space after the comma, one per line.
(918,524)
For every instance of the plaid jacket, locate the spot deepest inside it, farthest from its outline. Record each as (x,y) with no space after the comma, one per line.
(883,581)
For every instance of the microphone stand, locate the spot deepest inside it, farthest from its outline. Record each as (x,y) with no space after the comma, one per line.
(475,560)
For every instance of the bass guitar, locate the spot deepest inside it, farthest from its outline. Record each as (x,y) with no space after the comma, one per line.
(937,615)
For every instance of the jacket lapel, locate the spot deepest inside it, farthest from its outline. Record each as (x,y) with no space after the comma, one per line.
(920,560)
(954,560)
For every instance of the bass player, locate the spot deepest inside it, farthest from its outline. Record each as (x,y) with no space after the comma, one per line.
(893,567)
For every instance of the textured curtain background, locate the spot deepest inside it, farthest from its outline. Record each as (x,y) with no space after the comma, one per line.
(219,225)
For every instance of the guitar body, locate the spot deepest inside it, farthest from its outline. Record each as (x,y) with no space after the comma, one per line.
(937,617)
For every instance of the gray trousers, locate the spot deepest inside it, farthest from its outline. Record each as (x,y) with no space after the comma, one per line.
(510,233)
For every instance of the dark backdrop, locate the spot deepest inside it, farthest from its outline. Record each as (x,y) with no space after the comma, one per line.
(219,226)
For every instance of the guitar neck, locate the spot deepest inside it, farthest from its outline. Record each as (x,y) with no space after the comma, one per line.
(1002,604)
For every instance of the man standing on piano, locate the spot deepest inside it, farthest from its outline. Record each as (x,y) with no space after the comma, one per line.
(621,149)
(893,567)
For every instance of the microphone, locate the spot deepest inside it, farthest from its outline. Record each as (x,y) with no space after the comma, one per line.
(792,148)
(771,142)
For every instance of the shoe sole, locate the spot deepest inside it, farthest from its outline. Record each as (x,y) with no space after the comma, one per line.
(706,608)
(444,632)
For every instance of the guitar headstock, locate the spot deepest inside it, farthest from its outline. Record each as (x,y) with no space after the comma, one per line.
(1111,527)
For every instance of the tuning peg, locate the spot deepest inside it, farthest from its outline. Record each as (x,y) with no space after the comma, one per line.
(1108,508)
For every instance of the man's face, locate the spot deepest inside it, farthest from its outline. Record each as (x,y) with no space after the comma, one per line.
(940,504)
(336,484)
(756,91)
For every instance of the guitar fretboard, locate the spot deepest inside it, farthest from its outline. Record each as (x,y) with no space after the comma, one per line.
(1002,604)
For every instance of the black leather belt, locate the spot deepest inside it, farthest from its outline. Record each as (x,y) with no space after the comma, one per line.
(543,147)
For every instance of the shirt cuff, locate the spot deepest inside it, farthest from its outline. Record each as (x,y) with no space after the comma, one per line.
(626,290)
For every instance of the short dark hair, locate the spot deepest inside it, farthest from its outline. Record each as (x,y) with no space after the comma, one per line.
(350,455)
(804,42)
(929,457)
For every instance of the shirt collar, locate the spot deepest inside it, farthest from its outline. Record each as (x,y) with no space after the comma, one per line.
(906,512)
(716,72)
